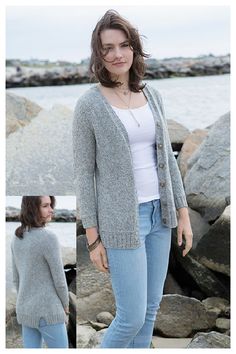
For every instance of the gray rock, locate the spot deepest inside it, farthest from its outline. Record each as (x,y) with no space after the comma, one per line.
(191,144)
(210,340)
(171,286)
(64,215)
(207,181)
(10,305)
(68,255)
(97,325)
(13,335)
(69,73)
(218,305)
(199,226)
(59,215)
(19,112)
(12,214)
(94,291)
(84,334)
(178,133)
(206,280)
(88,306)
(105,317)
(96,339)
(39,156)
(213,250)
(179,316)
(222,324)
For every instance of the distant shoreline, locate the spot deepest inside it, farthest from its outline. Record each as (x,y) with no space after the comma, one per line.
(60,215)
(34,73)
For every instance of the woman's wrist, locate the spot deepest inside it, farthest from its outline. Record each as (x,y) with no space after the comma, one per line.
(91,234)
(94,244)
(66,309)
(183,211)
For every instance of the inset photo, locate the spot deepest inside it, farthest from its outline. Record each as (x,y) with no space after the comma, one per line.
(40,271)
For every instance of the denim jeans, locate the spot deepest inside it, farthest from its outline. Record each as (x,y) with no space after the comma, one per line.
(137,277)
(55,335)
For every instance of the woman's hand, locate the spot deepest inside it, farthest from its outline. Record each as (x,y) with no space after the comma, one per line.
(66,309)
(184,228)
(99,258)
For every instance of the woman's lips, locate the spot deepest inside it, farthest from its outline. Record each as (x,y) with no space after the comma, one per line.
(119,64)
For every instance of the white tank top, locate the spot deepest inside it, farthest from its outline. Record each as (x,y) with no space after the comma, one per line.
(142,144)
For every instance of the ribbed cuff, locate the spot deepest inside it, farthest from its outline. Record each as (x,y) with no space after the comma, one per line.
(181,202)
(89,221)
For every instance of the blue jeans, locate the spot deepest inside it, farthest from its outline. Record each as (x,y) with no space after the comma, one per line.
(137,277)
(55,335)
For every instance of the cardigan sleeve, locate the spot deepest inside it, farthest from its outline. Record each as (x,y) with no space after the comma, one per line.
(176,179)
(52,254)
(84,151)
(15,274)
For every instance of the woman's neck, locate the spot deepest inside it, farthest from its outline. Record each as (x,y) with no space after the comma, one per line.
(124,79)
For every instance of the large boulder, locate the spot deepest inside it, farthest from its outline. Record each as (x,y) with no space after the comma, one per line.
(191,143)
(179,316)
(205,278)
(39,157)
(94,291)
(19,112)
(207,181)
(213,250)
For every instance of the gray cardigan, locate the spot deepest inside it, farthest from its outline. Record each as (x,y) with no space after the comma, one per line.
(104,178)
(39,277)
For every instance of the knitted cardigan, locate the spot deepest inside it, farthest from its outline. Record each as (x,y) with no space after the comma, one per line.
(103,171)
(39,278)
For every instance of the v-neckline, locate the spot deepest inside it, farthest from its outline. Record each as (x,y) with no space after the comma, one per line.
(115,117)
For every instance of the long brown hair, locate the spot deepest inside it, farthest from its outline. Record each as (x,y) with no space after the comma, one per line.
(30,213)
(113,20)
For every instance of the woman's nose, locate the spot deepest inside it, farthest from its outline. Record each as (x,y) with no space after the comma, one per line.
(118,53)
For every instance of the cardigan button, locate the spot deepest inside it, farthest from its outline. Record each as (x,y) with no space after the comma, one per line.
(161,165)
(162,184)
(160,146)
(164,221)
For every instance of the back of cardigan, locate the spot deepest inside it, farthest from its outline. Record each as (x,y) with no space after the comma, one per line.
(104,177)
(39,278)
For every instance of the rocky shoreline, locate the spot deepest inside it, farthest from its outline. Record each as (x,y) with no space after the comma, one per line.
(71,74)
(59,215)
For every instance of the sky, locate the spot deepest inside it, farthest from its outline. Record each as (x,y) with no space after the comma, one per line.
(64,32)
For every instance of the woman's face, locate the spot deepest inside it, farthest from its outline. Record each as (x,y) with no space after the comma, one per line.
(45,209)
(116,44)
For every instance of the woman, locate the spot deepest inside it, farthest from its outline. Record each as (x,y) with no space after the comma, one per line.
(127,180)
(38,274)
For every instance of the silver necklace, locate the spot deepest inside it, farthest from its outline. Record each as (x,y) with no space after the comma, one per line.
(128,106)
